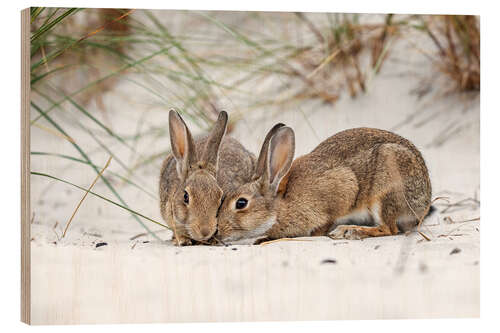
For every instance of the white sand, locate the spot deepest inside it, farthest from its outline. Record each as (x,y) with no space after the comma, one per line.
(143,280)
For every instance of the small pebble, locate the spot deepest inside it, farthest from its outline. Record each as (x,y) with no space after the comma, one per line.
(329,261)
(234,249)
(455,251)
(100,244)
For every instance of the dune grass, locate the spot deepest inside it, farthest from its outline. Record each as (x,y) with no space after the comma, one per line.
(457,42)
(310,56)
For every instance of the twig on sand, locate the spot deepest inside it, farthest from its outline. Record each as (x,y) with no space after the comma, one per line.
(462,222)
(403,256)
(427,212)
(142,234)
(55,232)
(448,219)
(421,218)
(137,236)
(448,235)
(423,235)
(285,240)
(85,195)
(464,204)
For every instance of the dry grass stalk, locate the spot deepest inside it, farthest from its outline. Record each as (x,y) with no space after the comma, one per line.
(448,219)
(345,44)
(467,203)
(67,46)
(55,232)
(380,43)
(85,195)
(285,240)
(54,132)
(457,39)
(142,234)
(460,226)
(421,218)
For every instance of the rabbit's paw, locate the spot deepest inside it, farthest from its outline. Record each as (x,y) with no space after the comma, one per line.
(347,232)
(181,241)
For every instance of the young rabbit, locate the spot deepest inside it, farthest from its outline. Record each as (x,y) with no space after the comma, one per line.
(195,176)
(371,177)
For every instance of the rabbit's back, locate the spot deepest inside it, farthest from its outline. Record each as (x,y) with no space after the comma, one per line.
(236,164)
(348,144)
(363,150)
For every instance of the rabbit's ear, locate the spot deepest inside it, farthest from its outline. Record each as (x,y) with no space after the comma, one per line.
(182,144)
(280,156)
(261,167)
(211,153)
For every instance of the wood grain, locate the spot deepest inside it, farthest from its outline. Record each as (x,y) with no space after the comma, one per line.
(315,280)
(25,169)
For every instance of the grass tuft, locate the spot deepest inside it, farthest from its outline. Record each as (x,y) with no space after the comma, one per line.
(457,42)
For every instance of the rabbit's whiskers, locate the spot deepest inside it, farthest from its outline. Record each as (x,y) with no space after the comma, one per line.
(218,240)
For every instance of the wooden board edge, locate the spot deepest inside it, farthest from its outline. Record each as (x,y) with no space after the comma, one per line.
(25,169)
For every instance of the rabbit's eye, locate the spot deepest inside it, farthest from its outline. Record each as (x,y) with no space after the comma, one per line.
(186,197)
(241,203)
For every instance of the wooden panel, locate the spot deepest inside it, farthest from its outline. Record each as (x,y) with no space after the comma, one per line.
(25,168)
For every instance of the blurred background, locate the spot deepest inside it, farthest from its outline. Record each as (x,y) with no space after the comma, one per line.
(103,81)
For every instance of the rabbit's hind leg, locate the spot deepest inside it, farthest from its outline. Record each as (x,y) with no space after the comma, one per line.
(359,232)
(386,214)
(384,217)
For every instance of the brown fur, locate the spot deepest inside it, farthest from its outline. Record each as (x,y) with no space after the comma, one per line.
(215,165)
(354,170)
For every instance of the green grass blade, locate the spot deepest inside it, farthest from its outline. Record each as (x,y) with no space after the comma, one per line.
(100,124)
(35,11)
(233,32)
(96,139)
(84,155)
(107,76)
(47,27)
(133,212)
(71,158)
(52,71)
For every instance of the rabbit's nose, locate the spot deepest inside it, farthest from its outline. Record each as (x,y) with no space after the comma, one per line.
(205,232)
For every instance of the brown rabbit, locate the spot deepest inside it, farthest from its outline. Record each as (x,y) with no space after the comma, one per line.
(195,176)
(371,177)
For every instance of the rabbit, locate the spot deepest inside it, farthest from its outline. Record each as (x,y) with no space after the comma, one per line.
(195,176)
(374,178)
